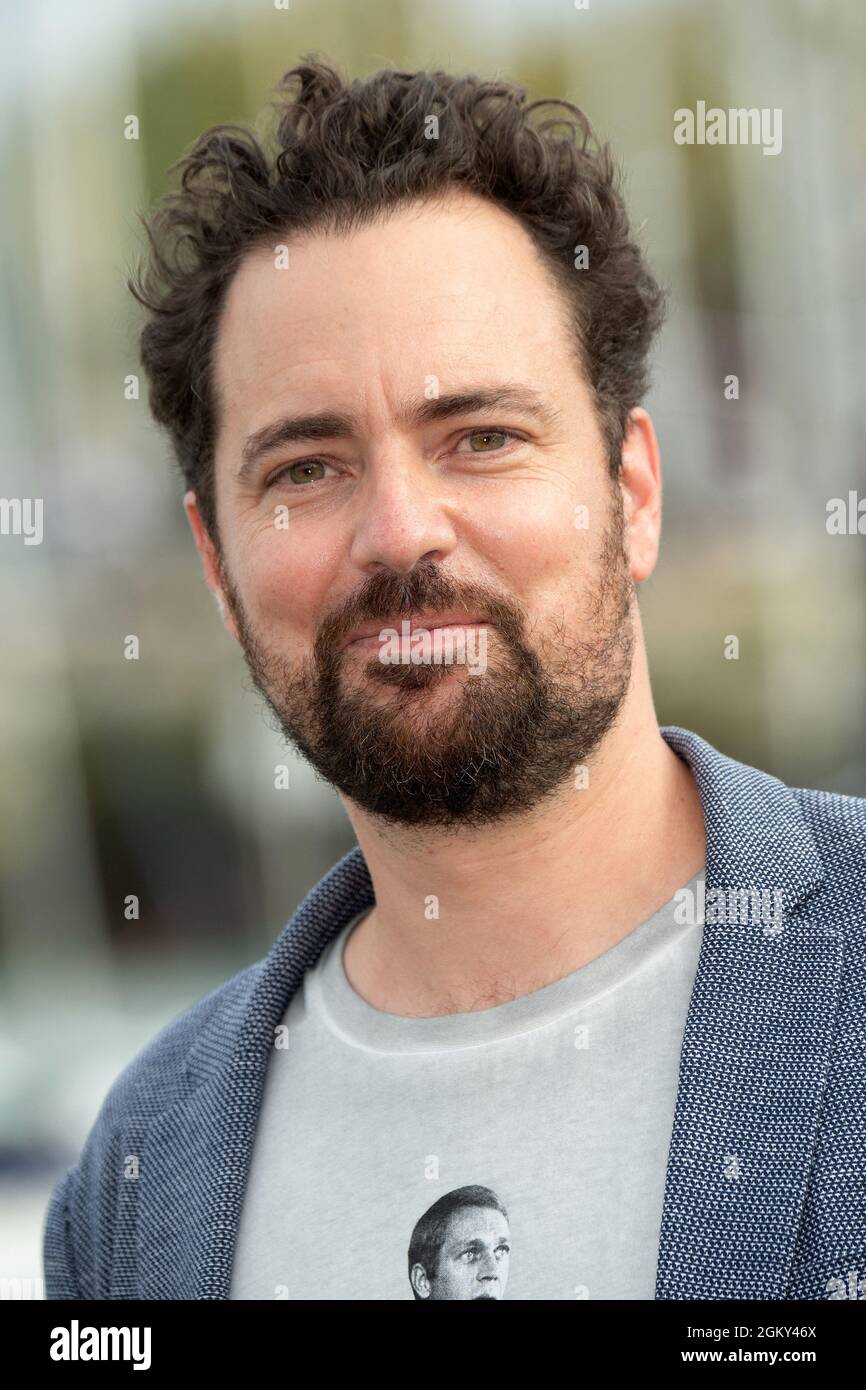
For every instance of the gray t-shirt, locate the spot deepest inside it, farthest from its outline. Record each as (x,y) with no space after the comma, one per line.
(513,1152)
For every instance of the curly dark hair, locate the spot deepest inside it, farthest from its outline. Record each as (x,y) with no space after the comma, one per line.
(346,151)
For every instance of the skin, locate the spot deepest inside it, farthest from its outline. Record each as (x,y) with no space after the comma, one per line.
(474,1260)
(555,874)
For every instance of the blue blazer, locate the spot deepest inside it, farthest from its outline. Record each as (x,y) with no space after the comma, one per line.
(765,1192)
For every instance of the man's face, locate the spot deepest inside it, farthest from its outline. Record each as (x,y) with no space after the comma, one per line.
(475,1256)
(400,517)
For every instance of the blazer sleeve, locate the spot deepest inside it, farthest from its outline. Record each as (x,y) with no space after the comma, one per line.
(58,1255)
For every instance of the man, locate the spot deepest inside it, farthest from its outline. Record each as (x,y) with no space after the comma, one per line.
(461,1248)
(610,968)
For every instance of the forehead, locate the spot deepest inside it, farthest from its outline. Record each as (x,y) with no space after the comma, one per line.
(468,1221)
(429,289)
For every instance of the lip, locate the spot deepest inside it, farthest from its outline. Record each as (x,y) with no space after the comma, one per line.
(416,624)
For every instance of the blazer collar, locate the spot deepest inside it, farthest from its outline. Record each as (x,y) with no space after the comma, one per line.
(753,1059)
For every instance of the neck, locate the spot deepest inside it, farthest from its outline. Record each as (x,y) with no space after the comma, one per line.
(526,902)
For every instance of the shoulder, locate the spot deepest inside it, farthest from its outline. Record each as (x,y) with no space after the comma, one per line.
(832,1232)
(837,824)
(189,1048)
(80,1215)
(182,1056)
(837,908)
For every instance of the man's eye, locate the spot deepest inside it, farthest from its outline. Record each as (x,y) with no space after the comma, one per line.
(489,434)
(293,472)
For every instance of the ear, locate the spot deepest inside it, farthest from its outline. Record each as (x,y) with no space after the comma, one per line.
(640,479)
(210,560)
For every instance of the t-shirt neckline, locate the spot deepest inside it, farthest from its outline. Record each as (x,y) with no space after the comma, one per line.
(359,1023)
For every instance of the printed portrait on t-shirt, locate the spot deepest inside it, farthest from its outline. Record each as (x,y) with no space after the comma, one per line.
(461,1247)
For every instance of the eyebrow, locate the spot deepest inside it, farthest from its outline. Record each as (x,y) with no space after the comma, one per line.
(292,429)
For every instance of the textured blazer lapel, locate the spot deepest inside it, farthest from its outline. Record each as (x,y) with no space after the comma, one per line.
(755,1049)
(186,1156)
(196,1154)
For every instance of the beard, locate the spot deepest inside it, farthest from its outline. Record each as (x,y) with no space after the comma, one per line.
(486,747)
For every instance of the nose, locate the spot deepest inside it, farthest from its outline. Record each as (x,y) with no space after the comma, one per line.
(402,516)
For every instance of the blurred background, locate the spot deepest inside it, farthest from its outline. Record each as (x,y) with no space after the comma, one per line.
(156,777)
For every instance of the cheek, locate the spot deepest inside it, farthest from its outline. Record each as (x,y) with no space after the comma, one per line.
(532,536)
(543,546)
(283,584)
